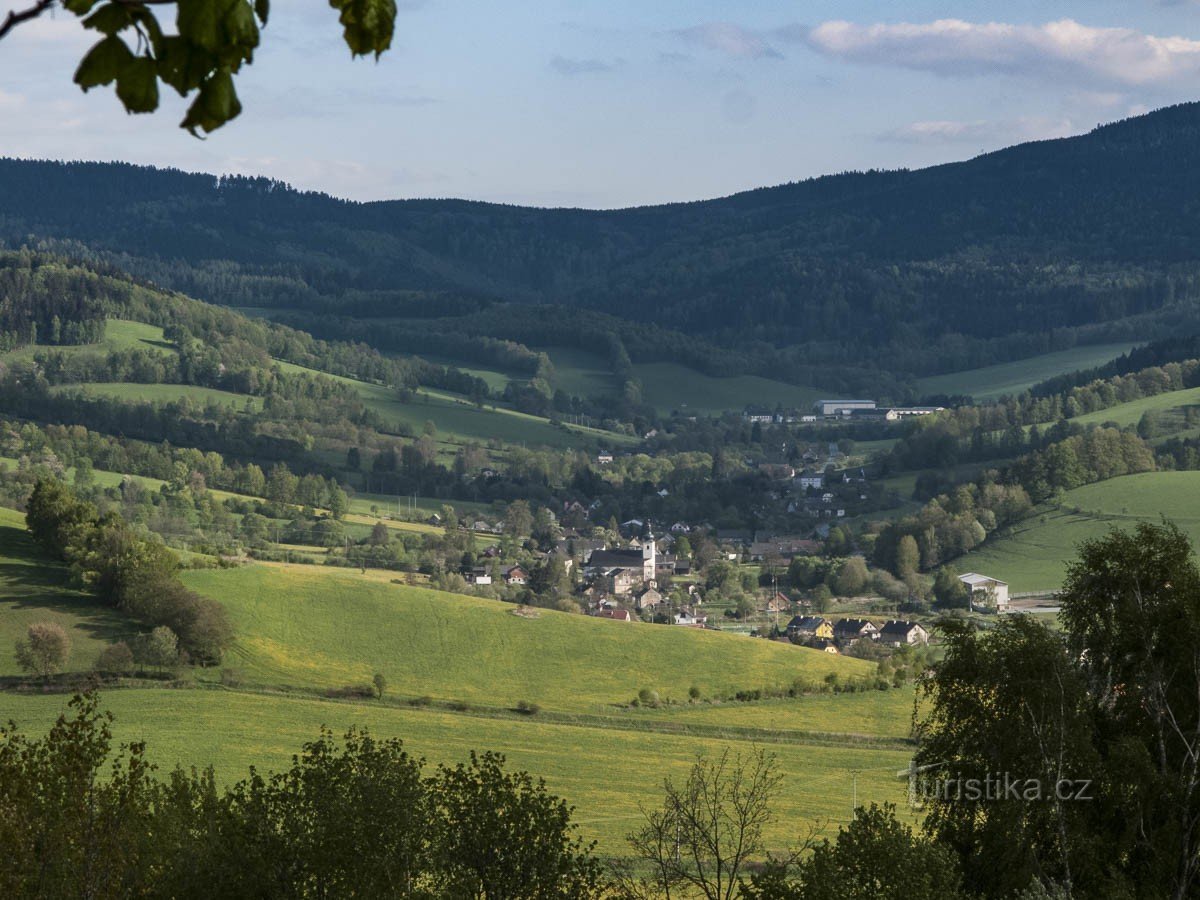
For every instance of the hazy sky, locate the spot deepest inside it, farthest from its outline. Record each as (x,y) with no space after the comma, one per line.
(625,102)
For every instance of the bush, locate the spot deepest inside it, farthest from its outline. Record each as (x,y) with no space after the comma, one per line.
(115,659)
(352,692)
(529,709)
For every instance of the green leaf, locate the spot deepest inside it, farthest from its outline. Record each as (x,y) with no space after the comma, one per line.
(261,9)
(241,29)
(137,85)
(367,25)
(109,19)
(215,105)
(79,7)
(182,65)
(199,22)
(103,63)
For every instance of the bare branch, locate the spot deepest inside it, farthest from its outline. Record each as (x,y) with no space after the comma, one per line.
(15,18)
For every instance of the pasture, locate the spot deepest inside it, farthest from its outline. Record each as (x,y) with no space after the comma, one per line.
(119,334)
(581,373)
(1170,405)
(604,772)
(165,393)
(34,588)
(1033,554)
(318,627)
(670,386)
(1011,378)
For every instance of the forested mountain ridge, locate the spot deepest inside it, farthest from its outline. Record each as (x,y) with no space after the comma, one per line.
(1039,246)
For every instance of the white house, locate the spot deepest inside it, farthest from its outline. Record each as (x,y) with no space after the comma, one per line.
(986,591)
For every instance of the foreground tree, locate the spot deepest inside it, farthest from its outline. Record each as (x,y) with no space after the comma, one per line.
(44,650)
(72,823)
(1090,737)
(875,857)
(500,834)
(709,826)
(1131,611)
(354,817)
(210,42)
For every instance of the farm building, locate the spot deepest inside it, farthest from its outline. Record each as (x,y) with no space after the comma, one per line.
(986,591)
(841,407)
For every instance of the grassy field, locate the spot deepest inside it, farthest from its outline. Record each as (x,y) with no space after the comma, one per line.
(873,713)
(459,420)
(35,589)
(581,373)
(991,382)
(1129,413)
(164,393)
(1033,555)
(119,334)
(321,628)
(668,386)
(604,772)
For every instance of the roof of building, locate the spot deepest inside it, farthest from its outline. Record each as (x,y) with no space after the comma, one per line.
(898,627)
(974,578)
(853,624)
(805,623)
(621,615)
(601,559)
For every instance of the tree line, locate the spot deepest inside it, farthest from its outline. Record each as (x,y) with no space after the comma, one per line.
(138,576)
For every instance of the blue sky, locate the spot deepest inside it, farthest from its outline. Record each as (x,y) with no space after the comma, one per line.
(618,103)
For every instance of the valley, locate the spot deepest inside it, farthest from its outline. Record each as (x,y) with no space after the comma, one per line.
(603,491)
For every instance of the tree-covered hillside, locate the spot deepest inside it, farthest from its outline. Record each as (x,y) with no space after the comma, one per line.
(1029,249)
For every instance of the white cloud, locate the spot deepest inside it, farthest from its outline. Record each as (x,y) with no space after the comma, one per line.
(1063,50)
(730,39)
(981,132)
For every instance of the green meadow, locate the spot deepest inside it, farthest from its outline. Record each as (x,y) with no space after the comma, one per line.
(1033,555)
(165,393)
(1011,378)
(36,589)
(119,334)
(458,420)
(303,628)
(318,627)
(670,386)
(581,373)
(604,772)
(1129,413)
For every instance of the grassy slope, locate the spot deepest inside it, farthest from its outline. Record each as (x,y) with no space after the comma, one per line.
(581,373)
(163,393)
(604,772)
(460,420)
(1033,555)
(35,589)
(326,628)
(991,382)
(1129,413)
(119,334)
(668,386)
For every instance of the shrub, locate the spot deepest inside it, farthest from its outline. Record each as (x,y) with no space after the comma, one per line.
(529,709)
(115,659)
(44,650)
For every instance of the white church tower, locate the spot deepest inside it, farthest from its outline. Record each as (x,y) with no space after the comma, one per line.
(649,557)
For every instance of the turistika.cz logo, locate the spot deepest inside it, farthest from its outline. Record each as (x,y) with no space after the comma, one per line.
(924,785)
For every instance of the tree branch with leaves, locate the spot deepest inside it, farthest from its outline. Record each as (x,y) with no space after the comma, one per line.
(211,41)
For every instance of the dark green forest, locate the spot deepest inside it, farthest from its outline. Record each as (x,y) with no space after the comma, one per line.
(1038,247)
